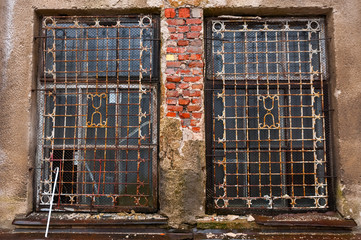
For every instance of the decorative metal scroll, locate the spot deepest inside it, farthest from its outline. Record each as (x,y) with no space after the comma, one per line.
(269,119)
(96,110)
(267,94)
(97,107)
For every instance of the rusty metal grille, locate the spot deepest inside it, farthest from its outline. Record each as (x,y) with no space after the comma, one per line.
(97,98)
(266,100)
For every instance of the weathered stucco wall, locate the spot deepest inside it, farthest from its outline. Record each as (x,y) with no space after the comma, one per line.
(181,150)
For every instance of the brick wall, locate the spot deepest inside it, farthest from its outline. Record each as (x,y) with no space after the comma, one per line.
(184,66)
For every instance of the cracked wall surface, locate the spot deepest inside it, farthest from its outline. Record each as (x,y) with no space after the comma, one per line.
(181,145)
(182,180)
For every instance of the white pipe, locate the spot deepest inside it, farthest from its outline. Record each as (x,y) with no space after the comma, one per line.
(51,201)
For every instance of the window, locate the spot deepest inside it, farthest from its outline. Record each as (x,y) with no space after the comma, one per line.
(266,102)
(97,102)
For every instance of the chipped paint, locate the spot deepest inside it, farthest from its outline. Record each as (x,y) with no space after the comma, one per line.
(337,93)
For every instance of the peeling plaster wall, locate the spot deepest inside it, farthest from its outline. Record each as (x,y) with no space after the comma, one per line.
(16,72)
(182,179)
(182,154)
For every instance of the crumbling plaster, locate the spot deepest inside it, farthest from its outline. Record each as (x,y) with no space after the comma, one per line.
(182,172)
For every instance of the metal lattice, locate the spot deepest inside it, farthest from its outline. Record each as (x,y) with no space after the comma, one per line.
(266,96)
(98,112)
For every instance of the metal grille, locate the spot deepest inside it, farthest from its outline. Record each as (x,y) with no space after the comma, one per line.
(266,86)
(97,98)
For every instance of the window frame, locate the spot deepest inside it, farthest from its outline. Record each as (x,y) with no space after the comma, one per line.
(117,84)
(211,84)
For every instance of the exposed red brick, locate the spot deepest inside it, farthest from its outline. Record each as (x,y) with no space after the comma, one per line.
(194,49)
(171,114)
(196,43)
(195,93)
(183,29)
(173,64)
(194,122)
(192,108)
(175,108)
(182,74)
(196,129)
(183,71)
(197,71)
(184,13)
(194,21)
(196,100)
(184,115)
(176,22)
(193,34)
(173,78)
(172,29)
(169,12)
(183,43)
(197,115)
(183,57)
(191,79)
(196,57)
(196,64)
(197,86)
(172,93)
(184,101)
(169,71)
(196,28)
(186,93)
(172,101)
(183,85)
(177,36)
(175,50)
(170,86)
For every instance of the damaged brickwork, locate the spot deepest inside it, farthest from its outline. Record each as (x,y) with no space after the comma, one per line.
(184,66)
(182,148)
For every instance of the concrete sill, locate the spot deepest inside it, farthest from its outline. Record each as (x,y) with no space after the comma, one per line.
(310,220)
(94,220)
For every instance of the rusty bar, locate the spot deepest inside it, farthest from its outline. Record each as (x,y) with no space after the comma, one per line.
(268,136)
(97,100)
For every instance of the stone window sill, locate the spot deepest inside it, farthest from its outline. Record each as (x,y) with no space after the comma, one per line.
(328,220)
(39,219)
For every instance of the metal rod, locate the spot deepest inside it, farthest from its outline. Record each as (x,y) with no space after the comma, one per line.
(98,111)
(51,201)
(268,138)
